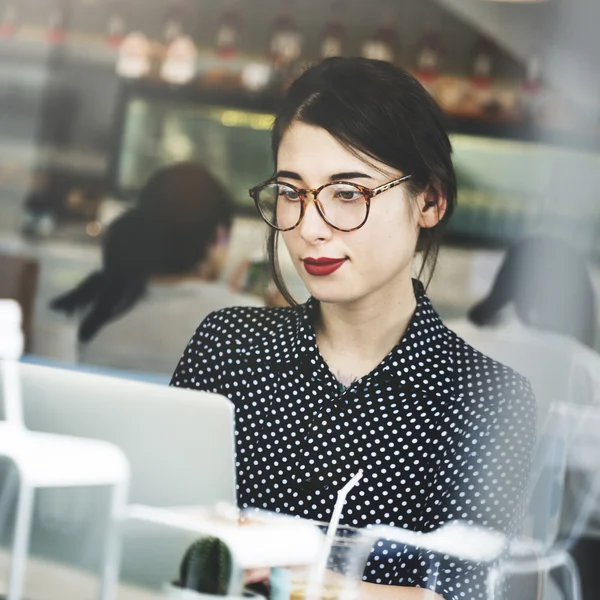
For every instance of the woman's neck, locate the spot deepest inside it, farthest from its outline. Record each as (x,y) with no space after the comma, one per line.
(354,338)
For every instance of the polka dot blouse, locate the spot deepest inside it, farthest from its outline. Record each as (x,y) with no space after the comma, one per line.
(441,432)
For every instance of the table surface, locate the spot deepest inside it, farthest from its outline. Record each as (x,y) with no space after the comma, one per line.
(52,581)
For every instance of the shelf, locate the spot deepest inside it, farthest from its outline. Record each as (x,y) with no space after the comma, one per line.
(268,101)
(34,46)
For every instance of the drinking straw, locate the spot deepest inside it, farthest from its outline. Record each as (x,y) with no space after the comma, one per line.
(336,515)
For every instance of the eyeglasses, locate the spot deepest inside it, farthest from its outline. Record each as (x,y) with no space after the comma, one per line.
(342,205)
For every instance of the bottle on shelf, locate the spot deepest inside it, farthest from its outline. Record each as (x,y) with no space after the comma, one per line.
(134,60)
(384,43)
(483,63)
(484,100)
(429,53)
(229,27)
(285,39)
(333,35)
(531,90)
(57,21)
(9,19)
(180,64)
(116,28)
(174,20)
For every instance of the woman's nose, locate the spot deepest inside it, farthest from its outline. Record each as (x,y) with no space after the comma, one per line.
(313,227)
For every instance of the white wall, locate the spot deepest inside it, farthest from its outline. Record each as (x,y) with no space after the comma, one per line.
(565,31)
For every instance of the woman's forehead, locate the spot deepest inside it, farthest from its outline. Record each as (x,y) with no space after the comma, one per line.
(312,152)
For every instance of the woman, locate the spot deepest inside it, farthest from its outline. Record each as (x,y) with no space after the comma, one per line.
(160,264)
(365,375)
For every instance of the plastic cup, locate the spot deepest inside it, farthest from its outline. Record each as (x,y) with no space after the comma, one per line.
(344,567)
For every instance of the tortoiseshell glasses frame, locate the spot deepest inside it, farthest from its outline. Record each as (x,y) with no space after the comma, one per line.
(367,193)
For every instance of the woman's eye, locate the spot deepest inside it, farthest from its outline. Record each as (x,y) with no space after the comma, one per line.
(288,194)
(348,195)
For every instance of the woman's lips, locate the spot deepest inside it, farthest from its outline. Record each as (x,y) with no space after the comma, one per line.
(322,266)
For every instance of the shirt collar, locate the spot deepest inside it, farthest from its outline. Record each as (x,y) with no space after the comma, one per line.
(425,341)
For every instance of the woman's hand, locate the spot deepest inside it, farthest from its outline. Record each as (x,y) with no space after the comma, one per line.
(258,581)
(257,576)
(374,591)
(368,591)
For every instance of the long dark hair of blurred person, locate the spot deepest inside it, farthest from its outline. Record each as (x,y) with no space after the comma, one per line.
(160,265)
(547,283)
(179,228)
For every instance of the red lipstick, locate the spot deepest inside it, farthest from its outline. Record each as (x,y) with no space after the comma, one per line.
(322,266)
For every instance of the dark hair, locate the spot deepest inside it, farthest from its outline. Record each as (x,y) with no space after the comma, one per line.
(382,111)
(168,232)
(548,283)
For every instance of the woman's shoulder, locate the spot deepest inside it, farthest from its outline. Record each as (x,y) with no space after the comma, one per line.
(245,325)
(479,371)
(232,336)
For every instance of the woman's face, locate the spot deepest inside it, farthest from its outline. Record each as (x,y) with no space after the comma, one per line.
(377,258)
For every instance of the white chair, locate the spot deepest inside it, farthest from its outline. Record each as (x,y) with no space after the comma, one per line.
(12,340)
(55,461)
(536,550)
(180,447)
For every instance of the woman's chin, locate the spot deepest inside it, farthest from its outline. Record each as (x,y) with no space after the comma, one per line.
(334,294)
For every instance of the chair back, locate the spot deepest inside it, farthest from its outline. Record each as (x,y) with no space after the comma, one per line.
(543,507)
(19,281)
(582,489)
(550,361)
(11,332)
(11,348)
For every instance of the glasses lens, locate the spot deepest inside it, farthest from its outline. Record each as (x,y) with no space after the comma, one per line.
(280,205)
(344,205)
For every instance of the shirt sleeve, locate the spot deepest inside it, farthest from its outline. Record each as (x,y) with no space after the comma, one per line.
(491,482)
(197,368)
(489,488)
(490,473)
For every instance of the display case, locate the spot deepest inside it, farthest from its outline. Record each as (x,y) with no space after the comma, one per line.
(158,126)
(507,188)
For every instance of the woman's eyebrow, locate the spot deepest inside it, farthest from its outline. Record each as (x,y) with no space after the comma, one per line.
(350,175)
(334,177)
(288,175)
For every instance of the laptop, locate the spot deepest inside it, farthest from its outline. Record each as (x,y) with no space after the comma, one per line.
(180,445)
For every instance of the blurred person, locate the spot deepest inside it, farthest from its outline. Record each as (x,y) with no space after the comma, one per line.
(540,318)
(365,375)
(160,266)
(545,284)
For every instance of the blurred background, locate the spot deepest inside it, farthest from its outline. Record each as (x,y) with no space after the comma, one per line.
(97,95)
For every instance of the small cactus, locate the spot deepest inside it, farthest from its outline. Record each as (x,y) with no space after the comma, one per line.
(206,567)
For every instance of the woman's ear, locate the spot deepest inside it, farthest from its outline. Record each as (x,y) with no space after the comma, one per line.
(432,208)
